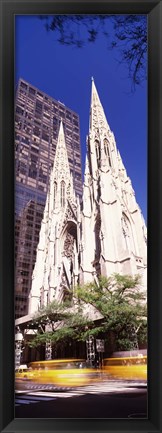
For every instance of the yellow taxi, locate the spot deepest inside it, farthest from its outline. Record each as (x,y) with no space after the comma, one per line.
(23,372)
(133,368)
(64,372)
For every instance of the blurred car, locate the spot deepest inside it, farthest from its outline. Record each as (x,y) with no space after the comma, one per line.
(23,372)
(64,372)
(133,368)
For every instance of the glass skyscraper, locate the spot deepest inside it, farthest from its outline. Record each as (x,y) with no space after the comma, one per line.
(37,121)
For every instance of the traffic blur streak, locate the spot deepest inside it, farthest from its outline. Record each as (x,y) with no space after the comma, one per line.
(129,368)
(59,373)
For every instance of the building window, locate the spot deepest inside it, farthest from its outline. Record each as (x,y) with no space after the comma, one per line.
(62,193)
(32,172)
(40,95)
(68,115)
(128,234)
(107,152)
(36,131)
(98,151)
(31,90)
(54,195)
(45,136)
(23,85)
(19,110)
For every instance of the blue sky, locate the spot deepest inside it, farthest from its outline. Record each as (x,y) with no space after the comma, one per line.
(64,73)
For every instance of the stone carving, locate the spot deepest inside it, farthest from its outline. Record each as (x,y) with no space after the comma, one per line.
(69,245)
(70,214)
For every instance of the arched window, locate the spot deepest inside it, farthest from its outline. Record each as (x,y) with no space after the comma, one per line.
(98,152)
(107,151)
(54,194)
(62,193)
(128,234)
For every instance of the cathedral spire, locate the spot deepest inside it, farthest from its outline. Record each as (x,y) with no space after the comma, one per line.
(86,190)
(86,173)
(61,163)
(50,266)
(101,141)
(61,183)
(98,119)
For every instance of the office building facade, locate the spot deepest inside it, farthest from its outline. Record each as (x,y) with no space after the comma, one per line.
(37,122)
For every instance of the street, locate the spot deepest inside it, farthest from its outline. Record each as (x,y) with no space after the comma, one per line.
(108,399)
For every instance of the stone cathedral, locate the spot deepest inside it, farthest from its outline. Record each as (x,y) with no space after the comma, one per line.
(103,234)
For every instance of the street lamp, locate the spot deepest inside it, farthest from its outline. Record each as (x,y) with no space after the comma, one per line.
(48,350)
(90,349)
(18,347)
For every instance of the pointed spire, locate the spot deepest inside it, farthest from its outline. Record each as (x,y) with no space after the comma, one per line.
(61,139)
(86,173)
(61,131)
(86,190)
(98,119)
(60,173)
(61,163)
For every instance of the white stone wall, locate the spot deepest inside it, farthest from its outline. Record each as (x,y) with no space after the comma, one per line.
(107,195)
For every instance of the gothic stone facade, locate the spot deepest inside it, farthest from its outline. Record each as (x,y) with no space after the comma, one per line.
(103,235)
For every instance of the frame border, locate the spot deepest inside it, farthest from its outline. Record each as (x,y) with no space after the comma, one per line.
(9,8)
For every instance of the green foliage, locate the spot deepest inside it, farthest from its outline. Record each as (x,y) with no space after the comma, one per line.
(65,322)
(54,311)
(142,333)
(119,301)
(93,331)
(122,306)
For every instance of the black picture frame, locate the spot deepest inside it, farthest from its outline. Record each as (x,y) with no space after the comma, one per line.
(9,9)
